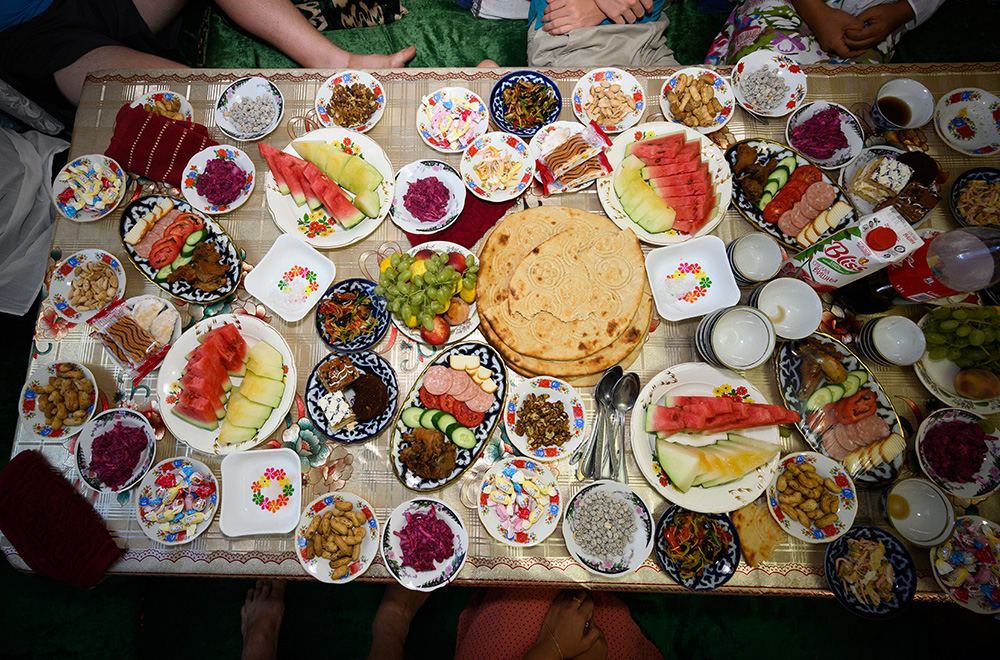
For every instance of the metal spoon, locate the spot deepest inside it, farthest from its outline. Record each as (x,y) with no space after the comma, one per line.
(623,399)
(602,397)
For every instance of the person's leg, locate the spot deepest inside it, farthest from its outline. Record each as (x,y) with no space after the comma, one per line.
(158,14)
(70,79)
(281,25)
(260,619)
(392,621)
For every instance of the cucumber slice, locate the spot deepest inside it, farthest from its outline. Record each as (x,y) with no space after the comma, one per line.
(851,385)
(161,275)
(819,398)
(427,418)
(772,187)
(181,260)
(463,437)
(195,237)
(411,416)
(837,391)
(861,375)
(444,421)
(764,200)
(780,176)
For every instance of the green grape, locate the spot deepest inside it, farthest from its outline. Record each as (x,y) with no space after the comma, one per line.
(418,299)
(406,311)
(432,265)
(988,336)
(473,269)
(938,353)
(468,282)
(954,354)
(405,275)
(470,261)
(425,315)
(442,294)
(428,323)
(935,338)
(963,330)
(395,306)
(959,314)
(379,290)
(448,271)
(418,281)
(941,313)
(431,279)
(960,342)
(964,363)
(949,325)
(406,288)
(976,337)
(974,354)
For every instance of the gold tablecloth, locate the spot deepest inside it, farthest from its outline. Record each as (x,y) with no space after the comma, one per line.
(363,469)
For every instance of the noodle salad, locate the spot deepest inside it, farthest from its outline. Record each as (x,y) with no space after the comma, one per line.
(865,571)
(695,541)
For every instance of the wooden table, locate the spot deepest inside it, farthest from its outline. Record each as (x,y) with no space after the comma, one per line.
(363,469)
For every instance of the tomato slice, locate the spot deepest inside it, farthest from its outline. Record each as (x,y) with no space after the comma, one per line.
(183,225)
(164,251)
(807,173)
(466,416)
(861,405)
(429,400)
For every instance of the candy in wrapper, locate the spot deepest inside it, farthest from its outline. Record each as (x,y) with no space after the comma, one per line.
(575,150)
(129,344)
(580,175)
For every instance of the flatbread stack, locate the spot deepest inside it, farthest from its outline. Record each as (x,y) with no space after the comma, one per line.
(760,535)
(564,293)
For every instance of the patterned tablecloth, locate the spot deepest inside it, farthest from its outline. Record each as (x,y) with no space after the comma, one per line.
(363,469)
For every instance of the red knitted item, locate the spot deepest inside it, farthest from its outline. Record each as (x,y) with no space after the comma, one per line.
(154,146)
(476,219)
(54,530)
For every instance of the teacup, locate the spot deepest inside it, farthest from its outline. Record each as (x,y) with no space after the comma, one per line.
(754,258)
(793,306)
(902,103)
(737,338)
(892,341)
(919,511)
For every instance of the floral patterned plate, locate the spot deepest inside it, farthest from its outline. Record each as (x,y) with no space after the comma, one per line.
(318,228)
(349,78)
(196,166)
(700,379)
(507,523)
(721,90)
(784,67)
(248,88)
(691,279)
(318,567)
(376,308)
(713,575)
(427,169)
(444,571)
(507,163)
(291,278)
(638,548)
(450,105)
(263,492)
(102,424)
(904,574)
(629,85)
(73,199)
(966,119)
(986,480)
(539,144)
(155,500)
(34,418)
(166,96)
(367,363)
(826,467)
(849,126)
(971,551)
(558,391)
(61,283)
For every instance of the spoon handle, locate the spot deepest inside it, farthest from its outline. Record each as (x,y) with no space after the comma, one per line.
(608,461)
(621,475)
(587,464)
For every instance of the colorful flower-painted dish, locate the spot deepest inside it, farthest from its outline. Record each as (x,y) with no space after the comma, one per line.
(703,576)
(420,170)
(163,510)
(367,363)
(196,168)
(849,126)
(443,570)
(263,492)
(691,279)
(965,565)
(255,90)
(700,379)
(451,118)
(827,468)
(500,108)
(986,479)
(557,391)
(88,188)
(784,67)
(519,502)
(164,98)
(938,376)
(637,548)
(320,567)
(721,90)
(61,283)
(632,93)
(903,574)
(558,130)
(34,419)
(497,167)
(349,79)
(373,306)
(967,120)
(108,422)
(291,278)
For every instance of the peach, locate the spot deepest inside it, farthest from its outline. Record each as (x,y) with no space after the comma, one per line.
(977,384)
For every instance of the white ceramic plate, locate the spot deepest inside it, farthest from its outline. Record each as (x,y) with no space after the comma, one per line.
(263,492)
(786,68)
(938,376)
(718,170)
(246,88)
(196,166)
(61,284)
(104,423)
(318,567)
(826,467)
(986,480)
(630,86)
(444,571)
(549,502)
(349,78)
(166,95)
(966,120)
(636,552)
(558,391)
(722,91)
(105,179)
(150,498)
(970,599)
(253,330)
(867,155)
(291,278)
(699,379)
(317,228)
(435,109)
(537,146)
(692,279)
(503,147)
(849,126)
(424,169)
(34,418)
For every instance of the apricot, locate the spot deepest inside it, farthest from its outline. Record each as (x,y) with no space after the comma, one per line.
(977,384)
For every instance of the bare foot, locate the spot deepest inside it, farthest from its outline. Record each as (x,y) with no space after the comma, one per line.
(395,61)
(260,619)
(392,621)
(487,64)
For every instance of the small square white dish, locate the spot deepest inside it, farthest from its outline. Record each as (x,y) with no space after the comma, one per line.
(291,278)
(263,493)
(691,279)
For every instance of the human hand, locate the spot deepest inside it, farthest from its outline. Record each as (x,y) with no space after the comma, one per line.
(563,16)
(567,625)
(624,11)
(878,22)
(830,26)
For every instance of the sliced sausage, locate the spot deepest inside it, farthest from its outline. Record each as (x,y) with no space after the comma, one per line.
(437,380)
(820,195)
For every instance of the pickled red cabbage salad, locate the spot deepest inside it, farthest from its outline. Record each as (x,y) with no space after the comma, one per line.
(221,182)
(427,199)
(425,539)
(115,454)
(821,135)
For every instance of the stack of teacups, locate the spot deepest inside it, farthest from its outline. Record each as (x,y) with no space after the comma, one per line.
(792,306)
(737,338)
(892,341)
(754,258)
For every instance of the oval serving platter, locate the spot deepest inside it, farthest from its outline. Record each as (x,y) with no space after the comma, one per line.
(216,236)
(464,458)
(368,363)
(787,373)
(765,150)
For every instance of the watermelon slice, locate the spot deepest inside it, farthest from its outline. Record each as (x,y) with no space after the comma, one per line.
(228,344)
(665,146)
(667,175)
(270,155)
(334,199)
(297,168)
(291,181)
(639,201)
(202,411)
(688,415)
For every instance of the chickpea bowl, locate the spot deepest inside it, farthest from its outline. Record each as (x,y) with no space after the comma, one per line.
(698,98)
(58,399)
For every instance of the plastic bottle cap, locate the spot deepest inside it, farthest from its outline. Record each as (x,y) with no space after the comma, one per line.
(881,239)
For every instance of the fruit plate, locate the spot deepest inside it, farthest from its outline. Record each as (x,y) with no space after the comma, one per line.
(712,575)
(61,283)
(986,479)
(720,89)
(367,363)
(423,169)
(537,144)
(787,362)
(973,546)
(439,105)
(318,567)
(508,164)
(718,171)
(196,167)
(904,574)
(987,175)
(318,228)
(504,522)
(252,330)
(376,309)
(102,424)
(700,379)
(827,468)
(263,492)
(938,376)
(349,79)
(33,418)
(629,86)
(464,458)
(557,391)
(216,236)
(95,170)
(867,155)
(290,278)
(163,96)
(637,549)
(460,331)
(200,482)
(767,149)
(444,571)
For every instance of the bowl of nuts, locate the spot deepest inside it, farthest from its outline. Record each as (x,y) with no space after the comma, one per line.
(769,84)
(812,497)
(167,104)
(350,99)
(545,418)
(611,98)
(337,537)
(58,399)
(85,283)
(698,98)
